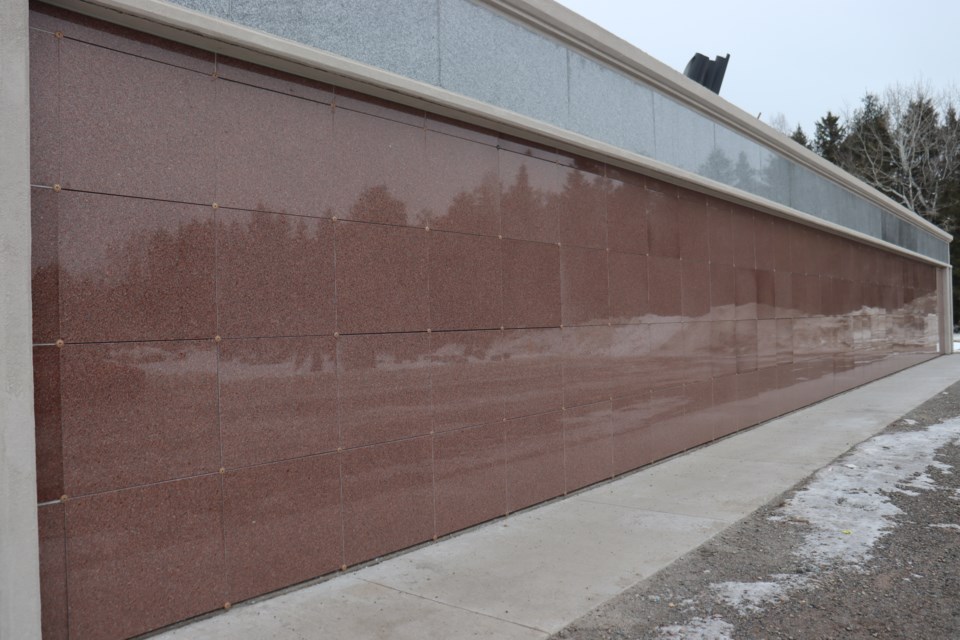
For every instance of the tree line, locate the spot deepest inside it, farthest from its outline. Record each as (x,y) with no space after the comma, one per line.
(905,142)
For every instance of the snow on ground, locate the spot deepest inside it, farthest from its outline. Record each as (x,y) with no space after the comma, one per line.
(699,629)
(848,509)
(946,526)
(748,597)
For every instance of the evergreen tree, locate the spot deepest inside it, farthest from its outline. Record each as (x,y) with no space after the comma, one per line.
(800,137)
(828,137)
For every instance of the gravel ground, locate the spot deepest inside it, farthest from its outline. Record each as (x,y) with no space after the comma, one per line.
(868,547)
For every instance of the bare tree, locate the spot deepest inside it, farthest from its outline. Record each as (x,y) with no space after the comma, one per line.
(906,143)
(779,122)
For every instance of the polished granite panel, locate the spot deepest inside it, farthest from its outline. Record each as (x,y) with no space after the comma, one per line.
(382,278)
(720,223)
(135,269)
(663,222)
(698,414)
(378,107)
(766,295)
(530,193)
(747,343)
(470,476)
(45,264)
(627,228)
(583,216)
(744,239)
(278,399)
(723,292)
(387,483)
(767,346)
(114,106)
(587,377)
(532,371)
(624,115)
(379,170)
(531,284)
(75,26)
(283,168)
(698,350)
(275,274)
(384,387)
(783,294)
(723,343)
(667,364)
(144,558)
(458,129)
(781,243)
(138,412)
(584,286)
(693,221)
(281,524)
(685,138)
(53,573)
(479,54)
(628,284)
(534,459)
(748,391)
(726,408)
(587,445)
(399,37)
(667,434)
(695,290)
(631,370)
(46,409)
(45,132)
(765,233)
(630,419)
(664,290)
(466,288)
(746,294)
(466,372)
(256,76)
(463,193)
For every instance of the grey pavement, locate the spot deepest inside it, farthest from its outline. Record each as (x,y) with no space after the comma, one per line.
(532,573)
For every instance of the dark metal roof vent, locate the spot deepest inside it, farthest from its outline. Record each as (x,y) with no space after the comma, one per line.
(707,72)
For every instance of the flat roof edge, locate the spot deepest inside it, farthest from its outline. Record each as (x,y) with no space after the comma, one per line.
(576,31)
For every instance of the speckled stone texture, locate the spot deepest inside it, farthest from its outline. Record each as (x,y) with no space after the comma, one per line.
(281,327)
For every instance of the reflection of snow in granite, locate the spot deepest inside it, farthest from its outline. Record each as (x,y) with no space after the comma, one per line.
(847,509)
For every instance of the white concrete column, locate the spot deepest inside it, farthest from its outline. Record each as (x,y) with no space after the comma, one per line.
(19,547)
(945,292)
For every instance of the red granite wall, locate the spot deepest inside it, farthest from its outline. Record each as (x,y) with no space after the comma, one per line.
(282,329)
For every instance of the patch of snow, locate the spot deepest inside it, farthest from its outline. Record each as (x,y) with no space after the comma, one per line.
(847,508)
(840,498)
(714,628)
(749,597)
(908,421)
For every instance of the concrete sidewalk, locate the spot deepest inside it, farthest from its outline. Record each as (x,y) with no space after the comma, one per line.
(531,574)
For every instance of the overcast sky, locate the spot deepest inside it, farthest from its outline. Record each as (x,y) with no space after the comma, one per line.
(795,58)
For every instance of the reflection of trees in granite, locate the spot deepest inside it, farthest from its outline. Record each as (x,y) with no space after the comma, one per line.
(155,268)
(770,180)
(522,196)
(740,174)
(467,208)
(377,198)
